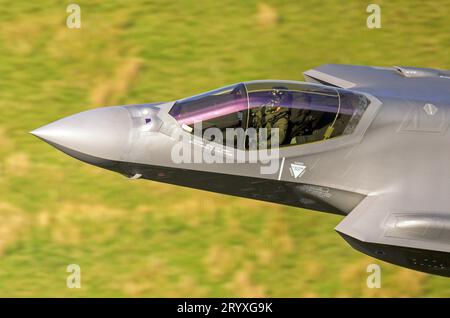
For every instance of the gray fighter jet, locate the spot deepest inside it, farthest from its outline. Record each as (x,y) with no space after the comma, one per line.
(369,143)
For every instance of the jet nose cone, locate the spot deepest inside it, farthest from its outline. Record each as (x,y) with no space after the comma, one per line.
(102,133)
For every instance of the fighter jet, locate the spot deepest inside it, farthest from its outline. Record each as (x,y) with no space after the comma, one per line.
(371,144)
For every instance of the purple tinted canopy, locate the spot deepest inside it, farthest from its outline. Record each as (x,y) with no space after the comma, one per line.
(245,96)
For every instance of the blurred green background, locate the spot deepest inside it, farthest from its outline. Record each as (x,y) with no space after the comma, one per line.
(141,238)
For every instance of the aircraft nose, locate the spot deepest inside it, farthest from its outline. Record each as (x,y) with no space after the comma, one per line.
(102,133)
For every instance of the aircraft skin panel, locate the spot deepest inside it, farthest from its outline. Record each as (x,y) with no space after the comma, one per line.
(387,82)
(428,261)
(282,192)
(415,232)
(400,219)
(288,193)
(295,194)
(324,78)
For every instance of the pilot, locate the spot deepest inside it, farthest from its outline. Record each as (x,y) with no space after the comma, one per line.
(304,125)
(271,116)
(314,126)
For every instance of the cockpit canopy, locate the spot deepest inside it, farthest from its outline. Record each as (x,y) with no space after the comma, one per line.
(302,112)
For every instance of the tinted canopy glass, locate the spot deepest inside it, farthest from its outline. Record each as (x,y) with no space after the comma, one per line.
(302,112)
(211,108)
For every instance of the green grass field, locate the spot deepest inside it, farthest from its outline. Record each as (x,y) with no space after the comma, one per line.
(144,239)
